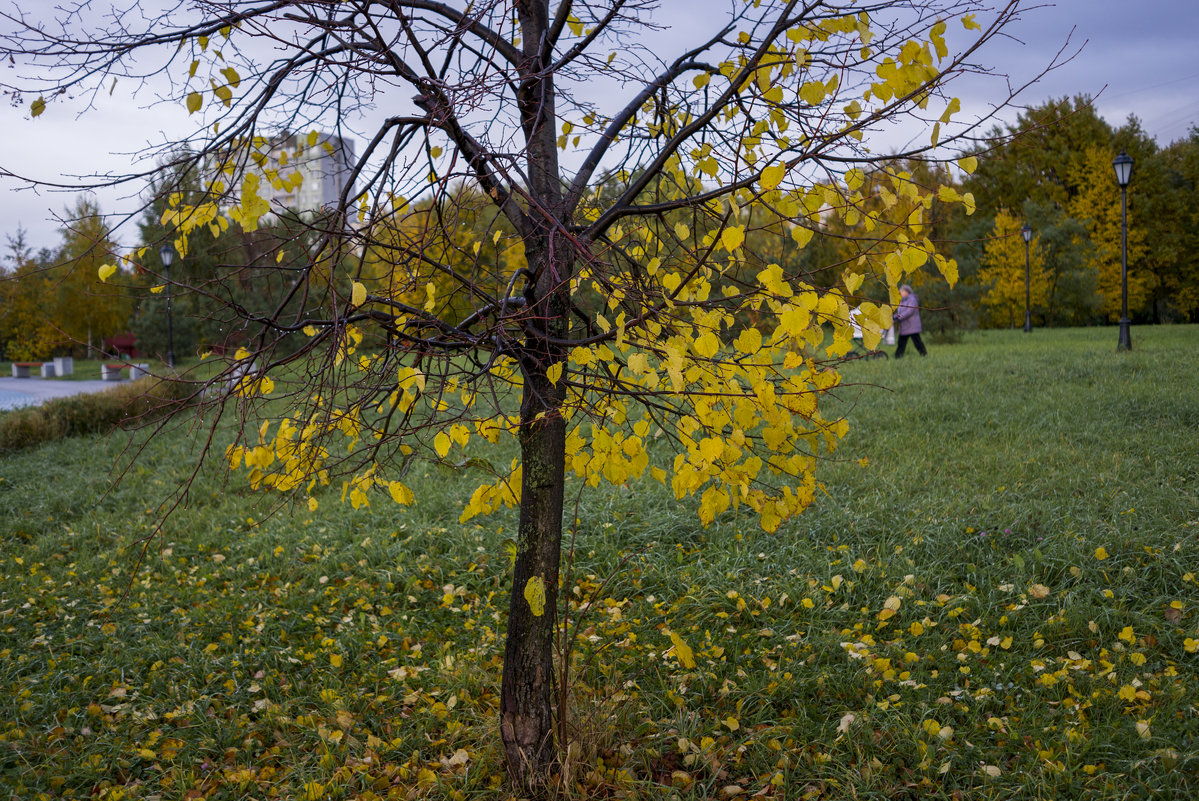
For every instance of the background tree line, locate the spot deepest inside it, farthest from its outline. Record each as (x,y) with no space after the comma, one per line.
(1051,168)
(52,303)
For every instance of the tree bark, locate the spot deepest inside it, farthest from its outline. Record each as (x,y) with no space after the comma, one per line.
(527,688)
(526,691)
(526,695)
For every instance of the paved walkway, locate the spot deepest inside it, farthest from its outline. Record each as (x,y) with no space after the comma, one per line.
(18,392)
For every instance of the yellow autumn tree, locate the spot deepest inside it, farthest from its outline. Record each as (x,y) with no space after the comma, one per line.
(1098,204)
(645,332)
(914,196)
(26,332)
(446,255)
(58,303)
(85,309)
(1002,272)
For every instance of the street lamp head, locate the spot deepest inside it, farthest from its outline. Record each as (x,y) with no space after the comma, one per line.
(1026,232)
(1123,166)
(167,254)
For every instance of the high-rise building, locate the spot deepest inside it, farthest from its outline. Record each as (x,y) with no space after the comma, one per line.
(321,161)
(325,167)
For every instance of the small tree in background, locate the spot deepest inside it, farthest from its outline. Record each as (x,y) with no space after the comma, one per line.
(85,309)
(1003,271)
(25,332)
(645,308)
(55,303)
(1097,207)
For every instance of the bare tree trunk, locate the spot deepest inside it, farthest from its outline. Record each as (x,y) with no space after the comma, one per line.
(526,692)
(526,708)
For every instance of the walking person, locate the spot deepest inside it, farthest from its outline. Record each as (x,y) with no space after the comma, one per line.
(907,322)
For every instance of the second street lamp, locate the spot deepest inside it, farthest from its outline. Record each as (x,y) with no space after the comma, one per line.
(1026,232)
(1123,167)
(167,254)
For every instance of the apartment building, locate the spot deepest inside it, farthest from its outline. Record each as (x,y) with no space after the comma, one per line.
(322,161)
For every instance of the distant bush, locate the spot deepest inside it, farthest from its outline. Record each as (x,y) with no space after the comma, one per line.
(91,413)
(944,335)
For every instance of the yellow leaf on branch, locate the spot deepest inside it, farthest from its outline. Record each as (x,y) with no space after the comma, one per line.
(773,175)
(732,238)
(955,105)
(401,494)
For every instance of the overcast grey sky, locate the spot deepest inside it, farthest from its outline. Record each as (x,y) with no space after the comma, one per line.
(1136,58)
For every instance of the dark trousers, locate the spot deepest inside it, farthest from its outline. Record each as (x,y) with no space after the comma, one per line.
(903,344)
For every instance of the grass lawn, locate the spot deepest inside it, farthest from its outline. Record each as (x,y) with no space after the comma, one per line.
(995,597)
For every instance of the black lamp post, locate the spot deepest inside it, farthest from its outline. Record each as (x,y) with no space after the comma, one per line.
(167,254)
(1026,232)
(1123,166)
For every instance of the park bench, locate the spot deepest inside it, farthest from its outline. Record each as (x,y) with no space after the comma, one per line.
(21,369)
(112,371)
(242,371)
(231,383)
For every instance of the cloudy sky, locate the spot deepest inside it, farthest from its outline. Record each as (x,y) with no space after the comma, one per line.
(1136,59)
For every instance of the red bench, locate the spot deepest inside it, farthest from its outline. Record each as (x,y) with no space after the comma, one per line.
(21,369)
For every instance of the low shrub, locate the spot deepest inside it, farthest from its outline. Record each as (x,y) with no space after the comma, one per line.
(125,405)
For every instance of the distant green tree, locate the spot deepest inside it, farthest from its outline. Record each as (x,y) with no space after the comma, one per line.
(19,251)
(195,319)
(25,331)
(84,309)
(1073,297)
(1039,157)
(214,281)
(54,303)
(1170,212)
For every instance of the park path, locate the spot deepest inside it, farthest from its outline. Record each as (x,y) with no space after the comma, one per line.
(18,392)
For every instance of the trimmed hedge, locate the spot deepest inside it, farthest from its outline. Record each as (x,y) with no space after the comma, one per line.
(90,413)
